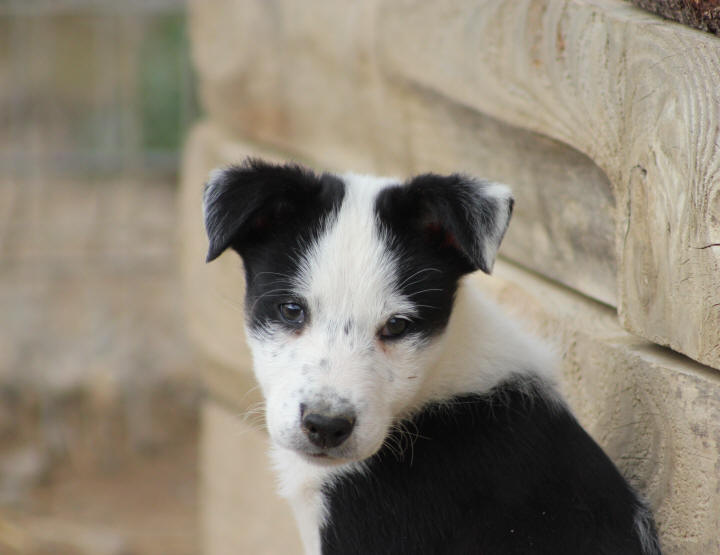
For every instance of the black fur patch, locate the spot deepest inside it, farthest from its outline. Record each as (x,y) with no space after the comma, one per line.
(454,211)
(505,473)
(435,225)
(269,214)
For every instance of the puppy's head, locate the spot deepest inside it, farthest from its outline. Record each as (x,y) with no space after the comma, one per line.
(350,285)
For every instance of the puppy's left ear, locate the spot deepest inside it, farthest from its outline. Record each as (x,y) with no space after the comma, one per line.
(456,212)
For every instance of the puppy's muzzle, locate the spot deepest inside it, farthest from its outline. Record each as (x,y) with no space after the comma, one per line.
(326,430)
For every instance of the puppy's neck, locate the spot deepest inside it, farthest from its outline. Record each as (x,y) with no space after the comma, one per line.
(481,348)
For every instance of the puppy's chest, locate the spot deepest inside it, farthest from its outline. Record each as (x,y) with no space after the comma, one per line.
(302,485)
(434,473)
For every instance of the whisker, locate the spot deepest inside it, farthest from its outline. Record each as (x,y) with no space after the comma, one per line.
(423,291)
(418,273)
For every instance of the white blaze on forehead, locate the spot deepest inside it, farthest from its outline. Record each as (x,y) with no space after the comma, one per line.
(350,274)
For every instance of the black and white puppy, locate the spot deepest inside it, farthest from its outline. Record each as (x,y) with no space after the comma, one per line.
(407,414)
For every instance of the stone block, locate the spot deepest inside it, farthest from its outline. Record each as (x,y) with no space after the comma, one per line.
(301,76)
(656,413)
(613,82)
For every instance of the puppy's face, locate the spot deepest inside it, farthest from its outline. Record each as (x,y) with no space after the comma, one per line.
(350,285)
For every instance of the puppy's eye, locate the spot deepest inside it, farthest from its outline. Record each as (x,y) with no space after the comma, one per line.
(394,327)
(292,313)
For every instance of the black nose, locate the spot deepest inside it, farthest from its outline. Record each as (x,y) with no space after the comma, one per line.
(327,431)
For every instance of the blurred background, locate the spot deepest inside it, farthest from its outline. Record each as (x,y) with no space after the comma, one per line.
(101,408)
(98,400)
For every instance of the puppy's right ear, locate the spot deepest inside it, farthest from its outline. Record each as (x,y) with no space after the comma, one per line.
(244,204)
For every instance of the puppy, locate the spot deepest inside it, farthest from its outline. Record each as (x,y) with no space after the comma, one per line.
(407,414)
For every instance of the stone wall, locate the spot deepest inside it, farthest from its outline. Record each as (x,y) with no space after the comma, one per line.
(603,118)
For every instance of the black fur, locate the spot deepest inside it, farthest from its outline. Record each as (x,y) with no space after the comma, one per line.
(269,214)
(453,208)
(510,472)
(436,225)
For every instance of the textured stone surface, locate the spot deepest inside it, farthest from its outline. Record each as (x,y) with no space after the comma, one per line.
(241,511)
(297,71)
(656,413)
(399,87)
(613,82)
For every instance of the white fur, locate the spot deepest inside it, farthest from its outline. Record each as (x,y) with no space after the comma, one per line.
(349,276)
(502,194)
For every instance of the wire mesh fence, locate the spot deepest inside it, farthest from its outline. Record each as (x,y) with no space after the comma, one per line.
(93,86)
(95,98)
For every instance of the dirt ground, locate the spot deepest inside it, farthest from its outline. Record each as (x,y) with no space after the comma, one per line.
(148,507)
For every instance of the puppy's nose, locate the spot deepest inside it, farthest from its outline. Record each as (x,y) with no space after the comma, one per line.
(325,430)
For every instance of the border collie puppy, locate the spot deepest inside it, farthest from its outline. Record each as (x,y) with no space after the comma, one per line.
(407,414)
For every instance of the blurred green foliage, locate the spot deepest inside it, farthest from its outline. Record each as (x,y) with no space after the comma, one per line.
(97,87)
(167,99)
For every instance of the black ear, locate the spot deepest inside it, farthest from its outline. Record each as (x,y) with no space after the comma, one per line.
(246,204)
(455,212)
